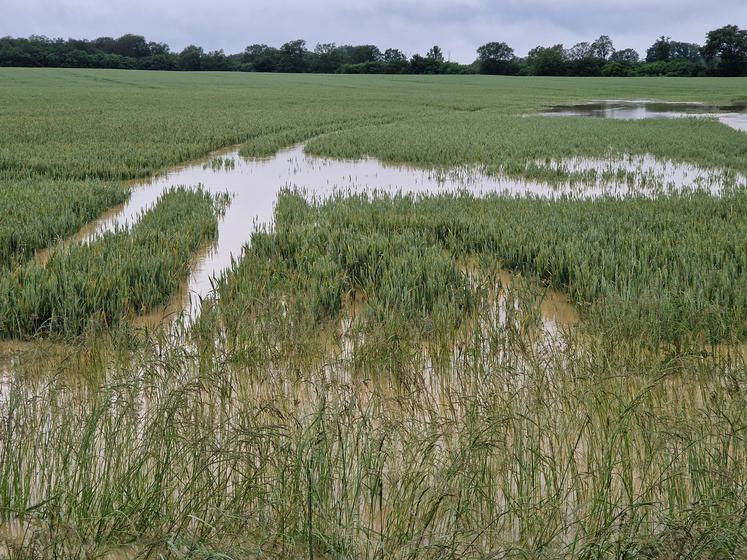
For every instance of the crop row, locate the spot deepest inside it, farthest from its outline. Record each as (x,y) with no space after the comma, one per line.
(72,125)
(507,143)
(37,213)
(121,273)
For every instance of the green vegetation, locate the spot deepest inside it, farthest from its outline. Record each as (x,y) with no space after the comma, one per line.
(724,54)
(38,213)
(370,381)
(661,269)
(508,143)
(514,445)
(319,262)
(108,124)
(122,272)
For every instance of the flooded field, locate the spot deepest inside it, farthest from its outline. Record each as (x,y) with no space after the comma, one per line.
(453,332)
(530,420)
(253,186)
(734,116)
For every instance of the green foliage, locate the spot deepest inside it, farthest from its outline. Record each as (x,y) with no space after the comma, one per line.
(546,61)
(726,48)
(121,273)
(615,69)
(365,387)
(671,68)
(144,122)
(496,58)
(349,251)
(665,270)
(506,142)
(582,449)
(725,52)
(452,121)
(36,213)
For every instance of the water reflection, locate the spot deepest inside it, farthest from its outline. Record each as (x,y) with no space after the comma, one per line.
(733,115)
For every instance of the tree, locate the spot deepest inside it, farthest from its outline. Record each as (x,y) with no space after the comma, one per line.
(329,58)
(625,56)
(435,55)
(393,55)
(324,49)
(216,61)
(158,48)
(429,64)
(661,50)
(615,68)
(726,50)
(252,52)
(579,51)
(587,59)
(260,58)
(495,58)
(105,44)
(602,48)
(191,58)
(365,53)
(291,57)
(685,51)
(546,61)
(134,46)
(418,64)
(395,61)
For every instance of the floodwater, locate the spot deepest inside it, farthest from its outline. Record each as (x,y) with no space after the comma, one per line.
(612,176)
(254,185)
(733,116)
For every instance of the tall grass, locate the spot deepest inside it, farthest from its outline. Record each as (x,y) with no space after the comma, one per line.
(508,449)
(141,123)
(365,385)
(144,122)
(507,142)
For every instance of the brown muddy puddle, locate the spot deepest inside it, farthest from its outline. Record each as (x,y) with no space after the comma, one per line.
(734,116)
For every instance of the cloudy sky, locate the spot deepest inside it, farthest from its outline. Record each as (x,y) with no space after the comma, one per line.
(458,26)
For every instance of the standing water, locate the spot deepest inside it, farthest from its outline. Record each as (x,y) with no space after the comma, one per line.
(254,185)
(732,115)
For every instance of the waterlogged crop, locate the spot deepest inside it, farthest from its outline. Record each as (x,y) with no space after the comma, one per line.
(122,272)
(145,121)
(370,380)
(36,213)
(667,269)
(513,446)
(507,142)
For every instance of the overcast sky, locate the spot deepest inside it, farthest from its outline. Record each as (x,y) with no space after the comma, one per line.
(458,26)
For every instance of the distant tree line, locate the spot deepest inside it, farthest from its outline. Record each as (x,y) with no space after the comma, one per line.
(723,54)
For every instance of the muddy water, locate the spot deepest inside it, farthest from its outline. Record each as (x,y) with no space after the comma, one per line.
(736,121)
(733,116)
(254,185)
